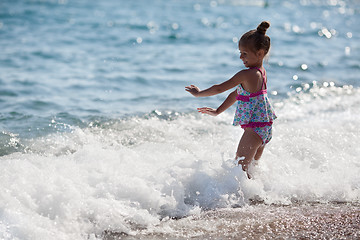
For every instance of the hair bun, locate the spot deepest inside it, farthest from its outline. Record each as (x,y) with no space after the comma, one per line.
(263,26)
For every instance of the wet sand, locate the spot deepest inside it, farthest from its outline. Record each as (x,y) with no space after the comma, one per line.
(297,221)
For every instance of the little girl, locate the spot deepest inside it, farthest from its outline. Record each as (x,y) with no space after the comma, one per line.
(254,112)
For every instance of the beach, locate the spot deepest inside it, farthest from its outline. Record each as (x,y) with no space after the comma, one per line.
(297,221)
(100,140)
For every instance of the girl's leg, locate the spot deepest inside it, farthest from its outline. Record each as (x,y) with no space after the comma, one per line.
(259,152)
(250,145)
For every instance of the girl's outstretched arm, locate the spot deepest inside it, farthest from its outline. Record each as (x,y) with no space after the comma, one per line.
(225,105)
(218,88)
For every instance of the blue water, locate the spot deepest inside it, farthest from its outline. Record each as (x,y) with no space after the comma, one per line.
(80,60)
(92,94)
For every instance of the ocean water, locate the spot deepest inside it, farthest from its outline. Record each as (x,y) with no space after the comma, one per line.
(99,140)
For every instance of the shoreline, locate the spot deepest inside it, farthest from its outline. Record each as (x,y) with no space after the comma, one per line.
(297,221)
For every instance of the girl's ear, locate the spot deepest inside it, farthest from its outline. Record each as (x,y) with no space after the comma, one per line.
(260,53)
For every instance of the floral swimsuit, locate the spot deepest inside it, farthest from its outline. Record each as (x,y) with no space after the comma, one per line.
(254,111)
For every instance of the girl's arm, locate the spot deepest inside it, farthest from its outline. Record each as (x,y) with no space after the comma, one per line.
(225,105)
(218,88)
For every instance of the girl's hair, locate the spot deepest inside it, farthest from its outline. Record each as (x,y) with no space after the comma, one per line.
(257,39)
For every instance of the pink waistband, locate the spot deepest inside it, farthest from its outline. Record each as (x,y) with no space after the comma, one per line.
(256,124)
(247,98)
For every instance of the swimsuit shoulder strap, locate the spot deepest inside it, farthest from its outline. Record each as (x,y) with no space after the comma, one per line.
(263,74)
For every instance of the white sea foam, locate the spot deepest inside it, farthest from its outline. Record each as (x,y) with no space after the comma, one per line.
(131,174)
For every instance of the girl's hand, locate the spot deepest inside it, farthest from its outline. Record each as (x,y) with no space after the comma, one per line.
(194,90)
(207,110)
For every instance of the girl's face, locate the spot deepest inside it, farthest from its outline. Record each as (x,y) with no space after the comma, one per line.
(249,57)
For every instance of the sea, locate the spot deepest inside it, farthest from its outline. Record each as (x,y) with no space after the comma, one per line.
(100,140)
